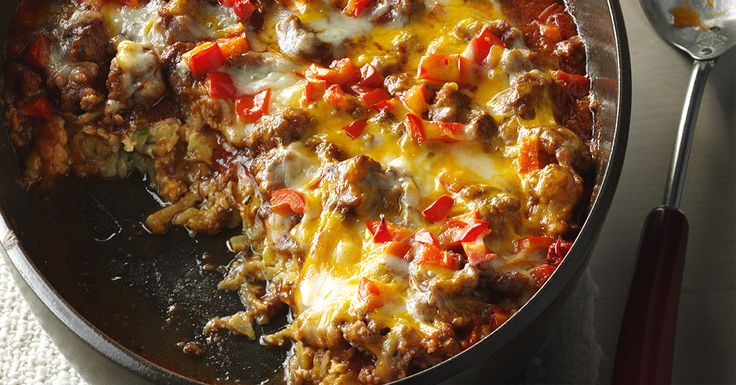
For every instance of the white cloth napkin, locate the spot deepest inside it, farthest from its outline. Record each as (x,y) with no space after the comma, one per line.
(28,356)
(571,354)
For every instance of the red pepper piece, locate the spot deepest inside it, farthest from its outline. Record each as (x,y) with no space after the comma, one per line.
(415,99)
(370,76)
(356,7)
(480,45)
(426,237)
(557,251)
(426,254)
(252,107)
(314,90)
(397,232)
(39,107)
(528,155)
(342,72)
(533,243)
(439,68)
(445,132)
(438,210)
(498,317)
(381,233)
(206,58)
(398,248)
(286,202)
(541,274)
(356,128)
(234,46)
(415,128)
(450,182)
(336,97)
(38,53)
(472,231)
(244,9)
(478,253)
(373,97)
(369,291)
(577,86)
(383,105)
(221,86)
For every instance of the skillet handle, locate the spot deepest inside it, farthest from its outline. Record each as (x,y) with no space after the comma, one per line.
(647,338)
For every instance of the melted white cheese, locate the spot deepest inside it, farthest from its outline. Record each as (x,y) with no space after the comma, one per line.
(337,28)
(135,24)
(142,24)
(278,75)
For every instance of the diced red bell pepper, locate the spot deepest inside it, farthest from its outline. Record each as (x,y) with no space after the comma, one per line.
(396,232)
(356,7)
(221,86)
(286,202)
(416,98)
(336,97)
(205,58)
(235,46)
(345,72)
(342,72)
(450,233)
(370,76)
(480,46)
(445,132)
(381,233)
(425,236)
(383,105)
(557,251)
(355,128)
(314,90)
(398,248)
(477,252)
(533,243)
(369,291)
(528,155)
(472,231)
(498,317)
(226,3)
(250,108)
(439,68)
(455,228)
(551,33)
(426,254)
(451,183)
(244,9)
(541,274)
(415,128)
(577,86)
(374,96)
(438,210)
(38,53)
(39,107)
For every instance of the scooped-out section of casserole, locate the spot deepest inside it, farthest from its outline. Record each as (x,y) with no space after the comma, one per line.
(406,173)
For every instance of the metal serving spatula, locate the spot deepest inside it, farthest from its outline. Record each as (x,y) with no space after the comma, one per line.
(704,29)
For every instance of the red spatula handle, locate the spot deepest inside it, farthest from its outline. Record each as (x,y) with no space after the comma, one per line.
(647,339)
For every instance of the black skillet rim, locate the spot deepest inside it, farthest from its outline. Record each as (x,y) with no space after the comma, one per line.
(516,325)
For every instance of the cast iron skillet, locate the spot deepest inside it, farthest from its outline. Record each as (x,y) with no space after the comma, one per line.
(117,300)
